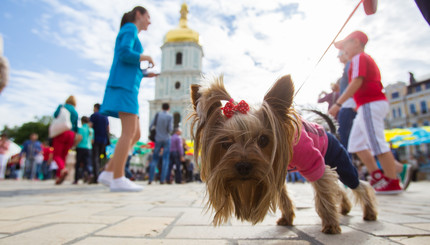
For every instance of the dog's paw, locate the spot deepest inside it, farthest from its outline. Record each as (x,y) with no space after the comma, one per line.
(284,222)
(369,216)
(345,210)
(369,212)
(331,229)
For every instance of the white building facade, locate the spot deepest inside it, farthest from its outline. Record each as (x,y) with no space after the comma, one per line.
(181,66)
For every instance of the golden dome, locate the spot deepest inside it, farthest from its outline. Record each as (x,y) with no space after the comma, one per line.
(182,33)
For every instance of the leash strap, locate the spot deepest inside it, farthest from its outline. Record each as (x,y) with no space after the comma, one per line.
(332,42)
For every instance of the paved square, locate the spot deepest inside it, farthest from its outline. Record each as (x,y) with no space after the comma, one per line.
(38,212)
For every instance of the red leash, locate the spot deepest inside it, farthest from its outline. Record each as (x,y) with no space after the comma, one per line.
(341,29)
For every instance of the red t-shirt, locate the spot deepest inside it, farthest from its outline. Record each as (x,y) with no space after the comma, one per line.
(46,152)
(362,65)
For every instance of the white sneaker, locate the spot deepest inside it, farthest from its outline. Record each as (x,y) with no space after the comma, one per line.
(124,185)
(105,178)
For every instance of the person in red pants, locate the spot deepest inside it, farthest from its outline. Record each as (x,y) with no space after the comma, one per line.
(64,141)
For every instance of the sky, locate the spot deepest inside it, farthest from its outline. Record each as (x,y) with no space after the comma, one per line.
(60,48)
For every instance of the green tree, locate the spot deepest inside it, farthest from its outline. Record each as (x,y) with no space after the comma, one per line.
(21,133)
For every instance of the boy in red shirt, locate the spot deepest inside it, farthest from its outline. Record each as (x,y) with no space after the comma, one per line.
(367,133)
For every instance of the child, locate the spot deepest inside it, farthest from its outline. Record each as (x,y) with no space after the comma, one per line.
(367,131)
(83,150)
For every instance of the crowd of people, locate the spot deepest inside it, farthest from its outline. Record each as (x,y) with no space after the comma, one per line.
(41,161)
(120,101)
(47,160)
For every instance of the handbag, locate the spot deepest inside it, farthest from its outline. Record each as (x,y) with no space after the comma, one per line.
(61,123)
(152,131)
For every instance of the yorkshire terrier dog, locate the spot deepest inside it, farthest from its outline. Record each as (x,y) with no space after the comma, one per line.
(246,152)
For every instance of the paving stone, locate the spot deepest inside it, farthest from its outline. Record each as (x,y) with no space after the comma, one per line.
(423,226)
(197,217)
(401,218)
(55,234)
(137,227)
(128,210)
(274,242)
(78,216)
(418,240)
(16,226)
(424,216)
(133,241)
(348,236)
(379,228)
(25,211)
(231,232)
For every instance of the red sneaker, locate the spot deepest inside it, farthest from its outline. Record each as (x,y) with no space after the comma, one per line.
(388,186)
(375,177)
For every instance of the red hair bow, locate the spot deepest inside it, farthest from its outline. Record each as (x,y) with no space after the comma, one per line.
(230,108)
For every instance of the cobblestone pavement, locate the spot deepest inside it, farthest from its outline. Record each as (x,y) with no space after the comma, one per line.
(41,213)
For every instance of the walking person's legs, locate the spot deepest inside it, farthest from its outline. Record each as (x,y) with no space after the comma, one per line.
(345,118)
(96,151)
(154,162)
(88,166)
(28,166)
(367,137)
(130,127)
(78,164)
(34,170)
(128,173)
(62,144)
(117,162)
(169,175)
(178,170)
(166,161)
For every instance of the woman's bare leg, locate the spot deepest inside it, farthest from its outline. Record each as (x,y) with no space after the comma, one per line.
(129,124)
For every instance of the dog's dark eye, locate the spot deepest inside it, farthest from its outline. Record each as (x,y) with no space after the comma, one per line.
(263,141)
(226,145)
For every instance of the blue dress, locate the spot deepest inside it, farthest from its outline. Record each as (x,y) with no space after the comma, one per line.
(123,85)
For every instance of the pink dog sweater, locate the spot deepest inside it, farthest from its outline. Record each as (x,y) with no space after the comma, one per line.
(309,152)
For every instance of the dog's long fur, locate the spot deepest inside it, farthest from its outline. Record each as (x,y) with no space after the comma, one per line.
(244,158)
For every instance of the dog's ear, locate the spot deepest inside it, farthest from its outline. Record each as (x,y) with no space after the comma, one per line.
(207,99)
(280,96)
(195,95)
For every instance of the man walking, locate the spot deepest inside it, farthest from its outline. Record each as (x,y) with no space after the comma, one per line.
(163,123)
(101,135)
(30,149)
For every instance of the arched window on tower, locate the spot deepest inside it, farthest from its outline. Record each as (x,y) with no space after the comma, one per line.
(179,58)
(176,119)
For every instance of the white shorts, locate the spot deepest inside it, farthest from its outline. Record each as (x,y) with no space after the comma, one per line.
(367,132)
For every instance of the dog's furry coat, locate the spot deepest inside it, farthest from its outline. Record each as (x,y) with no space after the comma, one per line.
(244,159)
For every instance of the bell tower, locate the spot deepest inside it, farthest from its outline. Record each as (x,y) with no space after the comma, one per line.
(181,66)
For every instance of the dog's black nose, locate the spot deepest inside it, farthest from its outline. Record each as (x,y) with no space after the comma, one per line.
(243,168)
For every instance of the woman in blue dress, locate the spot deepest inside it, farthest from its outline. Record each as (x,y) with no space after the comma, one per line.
(120,98)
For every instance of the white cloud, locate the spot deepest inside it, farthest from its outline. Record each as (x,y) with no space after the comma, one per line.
(31,94)
(251,42)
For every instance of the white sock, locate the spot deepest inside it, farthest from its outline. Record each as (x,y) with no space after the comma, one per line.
(119,180)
